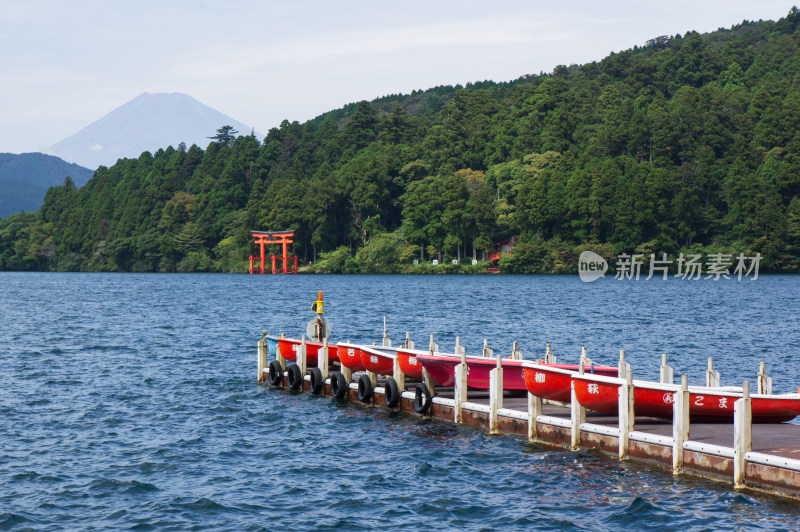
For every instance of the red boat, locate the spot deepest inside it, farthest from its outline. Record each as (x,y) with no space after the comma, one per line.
(290,347)
(705,404)
(553,381)
(350,356)
(441,368)
(378,359)
(407,359)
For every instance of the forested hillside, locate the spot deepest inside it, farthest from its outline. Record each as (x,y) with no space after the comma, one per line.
(688,143)
(25,178)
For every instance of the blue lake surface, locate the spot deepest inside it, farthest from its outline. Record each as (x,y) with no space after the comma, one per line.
(130,401)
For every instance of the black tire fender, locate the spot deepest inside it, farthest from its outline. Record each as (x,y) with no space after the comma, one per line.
(391,393)
(364,389)
(294,379)
(422,399)
(317,381)
(338,385)
(275,373)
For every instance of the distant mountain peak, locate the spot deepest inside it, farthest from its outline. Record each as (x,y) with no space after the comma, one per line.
(148,122)
(25,177)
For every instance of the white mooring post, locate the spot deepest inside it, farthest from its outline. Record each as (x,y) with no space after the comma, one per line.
(347,373)
(577,414)
(487,351)
(534,411)
(626,414)
(279,356)
(712,377)
(262,355)
(386,341)
(516,354)
(322,359)
(495,395)
(408,343)
(429,383)
(460,389)
(667,373)
(549,357)
(302,356)
(680,425)
(459,348)
(398,375)
(764,382)
(742,434)
(624,367)
(432,348)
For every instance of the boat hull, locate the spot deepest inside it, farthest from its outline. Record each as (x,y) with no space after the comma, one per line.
(409,364)
(350,356)
(441,368)
(554,381)
(705,404)
(554,385)
(378,362)
(290,348)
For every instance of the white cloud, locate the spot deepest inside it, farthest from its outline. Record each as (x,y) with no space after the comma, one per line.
(366,44)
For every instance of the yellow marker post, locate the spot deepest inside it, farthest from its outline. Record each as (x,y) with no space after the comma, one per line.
(318,305)
(317,327)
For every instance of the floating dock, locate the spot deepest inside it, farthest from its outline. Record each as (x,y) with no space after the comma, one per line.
(746,455)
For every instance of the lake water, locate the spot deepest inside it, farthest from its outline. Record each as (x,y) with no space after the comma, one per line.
(130,401)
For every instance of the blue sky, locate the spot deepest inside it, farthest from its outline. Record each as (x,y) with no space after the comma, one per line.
(66,64)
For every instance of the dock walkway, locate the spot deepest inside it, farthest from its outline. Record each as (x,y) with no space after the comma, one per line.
(759,456)
(779,439)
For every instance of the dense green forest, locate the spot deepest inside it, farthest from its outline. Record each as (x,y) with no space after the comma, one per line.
(686,144)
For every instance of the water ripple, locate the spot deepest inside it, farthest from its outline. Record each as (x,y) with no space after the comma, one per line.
(146,415)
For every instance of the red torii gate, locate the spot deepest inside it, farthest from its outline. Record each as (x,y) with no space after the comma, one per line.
(273,237)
